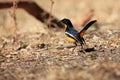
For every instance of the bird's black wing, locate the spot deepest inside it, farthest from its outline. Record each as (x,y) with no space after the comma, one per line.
(71,32)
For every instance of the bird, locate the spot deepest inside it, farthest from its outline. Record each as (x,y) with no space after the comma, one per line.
(72,34)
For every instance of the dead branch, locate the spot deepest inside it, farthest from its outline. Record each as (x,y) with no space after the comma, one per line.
(37,11)
(42,15)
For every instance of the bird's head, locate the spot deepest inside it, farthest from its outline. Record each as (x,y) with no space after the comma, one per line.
(66,22)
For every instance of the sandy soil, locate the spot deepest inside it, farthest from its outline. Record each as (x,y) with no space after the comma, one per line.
(32,54)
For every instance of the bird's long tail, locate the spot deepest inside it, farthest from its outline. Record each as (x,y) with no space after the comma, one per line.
(82,32)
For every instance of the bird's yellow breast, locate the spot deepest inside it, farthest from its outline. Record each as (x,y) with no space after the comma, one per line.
(70,39)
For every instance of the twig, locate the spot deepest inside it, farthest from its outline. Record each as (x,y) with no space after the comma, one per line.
(14,7)
(58,47)
(49,21)
(52,3)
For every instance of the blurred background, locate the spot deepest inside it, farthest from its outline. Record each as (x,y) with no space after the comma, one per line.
(33,53)
(105,11)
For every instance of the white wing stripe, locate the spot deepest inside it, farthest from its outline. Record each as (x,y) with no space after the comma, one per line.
(71,35)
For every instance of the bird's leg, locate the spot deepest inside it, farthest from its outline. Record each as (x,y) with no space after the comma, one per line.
(82,49)
(74,47)
(84,43)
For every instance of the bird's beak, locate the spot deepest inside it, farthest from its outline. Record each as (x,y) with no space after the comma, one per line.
(63,25)
(60,22)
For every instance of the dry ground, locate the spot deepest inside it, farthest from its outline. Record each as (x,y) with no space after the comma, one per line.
(31,55)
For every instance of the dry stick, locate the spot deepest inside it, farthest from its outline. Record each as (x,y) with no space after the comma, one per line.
(14,7)
(37,11)
(50,17)
(58,47)
(52,3)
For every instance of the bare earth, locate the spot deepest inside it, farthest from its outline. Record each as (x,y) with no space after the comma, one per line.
(32,54)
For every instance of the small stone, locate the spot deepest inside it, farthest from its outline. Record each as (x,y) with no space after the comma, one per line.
(95,38)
